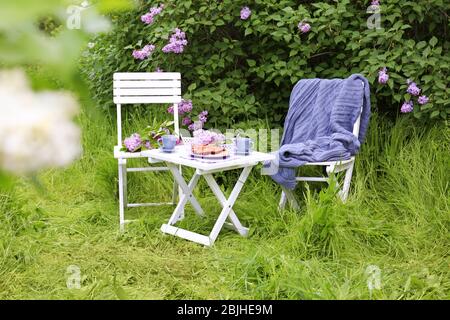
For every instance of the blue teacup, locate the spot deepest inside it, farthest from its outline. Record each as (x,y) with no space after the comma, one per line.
(168,142)
(243,146)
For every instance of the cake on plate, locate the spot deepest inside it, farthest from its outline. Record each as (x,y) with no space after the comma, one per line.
(208,149)
(208,144)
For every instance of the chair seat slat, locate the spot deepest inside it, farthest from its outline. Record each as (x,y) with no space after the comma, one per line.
(147,84)
(147,99)
(147,75)
(147,92)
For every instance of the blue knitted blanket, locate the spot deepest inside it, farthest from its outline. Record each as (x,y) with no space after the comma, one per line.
(319,124)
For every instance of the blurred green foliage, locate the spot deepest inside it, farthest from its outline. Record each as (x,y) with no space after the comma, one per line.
(34,34)
(34,37)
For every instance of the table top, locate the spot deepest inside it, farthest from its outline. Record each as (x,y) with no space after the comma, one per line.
(181,157)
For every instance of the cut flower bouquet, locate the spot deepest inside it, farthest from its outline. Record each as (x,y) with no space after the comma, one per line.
(148,138)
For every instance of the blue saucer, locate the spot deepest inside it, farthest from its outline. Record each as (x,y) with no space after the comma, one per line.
(242,153)
(167,150)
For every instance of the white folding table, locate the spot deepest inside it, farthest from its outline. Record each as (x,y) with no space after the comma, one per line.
(206,169)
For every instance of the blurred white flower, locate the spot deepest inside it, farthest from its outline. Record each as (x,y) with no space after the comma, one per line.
(36,128)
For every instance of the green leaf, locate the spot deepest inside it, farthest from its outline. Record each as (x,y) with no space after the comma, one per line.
(440,85)
(421,45)
(433,41)
(192,87)
(434,114)
(187,3)
(287,37)
(251,62)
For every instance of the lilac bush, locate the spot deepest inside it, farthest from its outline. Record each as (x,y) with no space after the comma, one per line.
(244,67)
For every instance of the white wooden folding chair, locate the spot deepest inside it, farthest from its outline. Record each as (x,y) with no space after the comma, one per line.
(142,88)
(332,167)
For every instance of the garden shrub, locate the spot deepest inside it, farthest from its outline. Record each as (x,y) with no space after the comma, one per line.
(244,69)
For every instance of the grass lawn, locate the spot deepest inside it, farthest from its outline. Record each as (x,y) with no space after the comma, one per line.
(396,219)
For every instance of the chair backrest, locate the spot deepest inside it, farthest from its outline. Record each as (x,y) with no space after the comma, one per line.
(357,123)
(146,88)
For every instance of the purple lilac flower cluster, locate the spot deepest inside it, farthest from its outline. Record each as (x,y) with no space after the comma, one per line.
(423,100)
(177,42)
(149,16)
(133,143)
(375,2)
(202,117)
(207,137)
(304,27)
(407,107)
(383,76)
(186,121)
(413,89)
(195,126)
(147,139)
(184,106)
(245,13)
(144,52)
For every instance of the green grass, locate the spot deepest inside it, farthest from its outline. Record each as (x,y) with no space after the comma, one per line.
(397,218)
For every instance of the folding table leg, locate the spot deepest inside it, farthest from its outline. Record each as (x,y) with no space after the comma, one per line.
(223,200)
(227,207)
(178,213)
(228,204)
(174,192)
(187,194)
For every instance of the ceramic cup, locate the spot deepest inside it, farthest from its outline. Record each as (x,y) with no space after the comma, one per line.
(243,146)
(167,142)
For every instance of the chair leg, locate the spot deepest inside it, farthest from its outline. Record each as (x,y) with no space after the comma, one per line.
(283,199)
(290,197)
(346,187)
(122,192)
